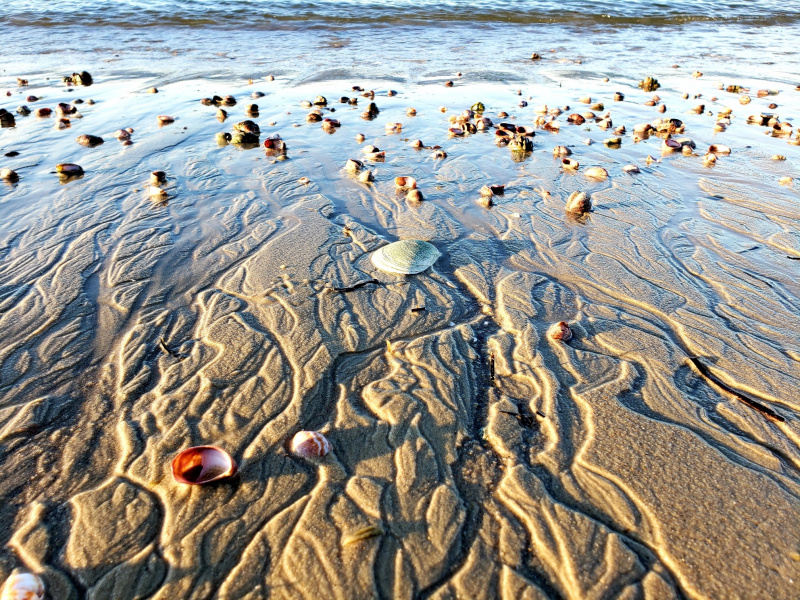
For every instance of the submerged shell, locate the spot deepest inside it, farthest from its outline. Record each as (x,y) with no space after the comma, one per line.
(560,331)
(22,586)
(406,257)
(202,464)
(309,444)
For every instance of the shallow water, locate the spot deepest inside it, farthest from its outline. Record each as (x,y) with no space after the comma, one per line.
(598,468)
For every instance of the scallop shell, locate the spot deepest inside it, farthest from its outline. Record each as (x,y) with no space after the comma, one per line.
(202,464)
(560,331)
(22,586)
(310,444)
(406,257)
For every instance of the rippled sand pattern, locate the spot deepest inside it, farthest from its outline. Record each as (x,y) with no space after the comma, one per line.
(492,461)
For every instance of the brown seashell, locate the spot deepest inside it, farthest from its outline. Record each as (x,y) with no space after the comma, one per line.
(585,99)
(391,93)
(310,444)
(535,56)
(561,151)
(222,114)
(31,99)
(405,182)
(366,176)
(576,119)
(393,127)
(202,464)
(448,84)
(662,108)
(560,331)
(165,119)
(744,99)
(697,74)
(778,157)
(596,173)
(630,169)
(619,96)
(414,195)
(439,154)
(42,112)
(411,112)
(158,178)
(719,149)
(710,159)
(360,137)
(417,144)
(89,140)
(229,101)
(304,181)
(370,149)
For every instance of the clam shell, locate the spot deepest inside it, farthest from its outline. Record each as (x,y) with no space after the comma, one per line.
(669,145)
(89,140)
(69,169)
(596,173)
(22,586)
(560,331)
(165,119)
(406,257)
(578,203)
(370,149)
(310,444)
(417,144)
(353,165)
(561,151)
(570,163)
(366,176)
(630,169)
(202,464)
(405,182)
(719,149)
(414,195)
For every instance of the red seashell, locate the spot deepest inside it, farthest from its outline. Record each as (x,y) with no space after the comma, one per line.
(309,444)
(560,331)
(202,464)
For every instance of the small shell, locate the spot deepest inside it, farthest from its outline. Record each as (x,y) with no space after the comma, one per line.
(405,182)
(614,142)
(670,145)
(578,203)
(42,112)
(157,193)
(561,151)
(9,175)
(22,586)
(630,169)
(366,176)
(152,90)
(560,331)
(122,135)
(585,100)
(360,137)
(370,149)
(778,157)
(719,149)
(69,169)
(417,144)
(414,195)
(493,190)
(158,178)
(570,163)
(406,257)
(89,140)
(576,119)
(596,173)
(354,166)
(202,464)
(439,154)
(411,112)
(710,159)
(394,127)
(304,181)
(308,444)
(165,119)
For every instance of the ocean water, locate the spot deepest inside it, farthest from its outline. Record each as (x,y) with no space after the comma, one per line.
(232,14)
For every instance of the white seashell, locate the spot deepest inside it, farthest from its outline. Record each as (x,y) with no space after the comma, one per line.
(22,586)
(596,173)
(719,149)
(578,203)
(310,444)
(405,182)
(630,169)
(406,257)
(366,176)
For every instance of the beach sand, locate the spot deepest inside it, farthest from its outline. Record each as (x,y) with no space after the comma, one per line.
(489,460)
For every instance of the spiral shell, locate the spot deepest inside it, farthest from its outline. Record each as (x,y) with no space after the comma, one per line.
(560,331)
(308,444)
(22,586)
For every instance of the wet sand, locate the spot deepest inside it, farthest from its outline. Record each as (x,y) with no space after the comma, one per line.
(496,462)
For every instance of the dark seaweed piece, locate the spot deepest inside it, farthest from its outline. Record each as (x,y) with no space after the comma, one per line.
(754,404)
